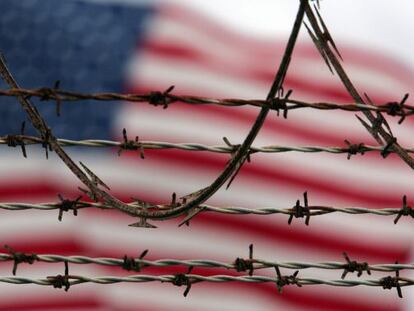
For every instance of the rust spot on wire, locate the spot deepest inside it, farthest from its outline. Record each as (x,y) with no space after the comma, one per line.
(284,280)
(161,98)
(280,102)
(59,280)
(66,205)
(397,108)
(16,140)
(130,263)
(47,93)
(241,264)
(299,211)
(354,149)
(181,279)
(404,211)
(19,258)
(352,266)
(390,282)
(131,144)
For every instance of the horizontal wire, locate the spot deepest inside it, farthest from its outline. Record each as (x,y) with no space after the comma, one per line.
(30,140)
(205,263)
(143,278)
(166,98)
(314,210)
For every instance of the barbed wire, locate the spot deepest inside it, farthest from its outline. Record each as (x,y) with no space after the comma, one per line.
(164,99)
(297,211)
(258,264)
(194,278)
(240,265)
(189,204)
(350,149)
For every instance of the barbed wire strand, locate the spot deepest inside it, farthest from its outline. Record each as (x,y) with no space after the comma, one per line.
(257,263)
(362,148)
(46,93)
(315,210)
(143,278)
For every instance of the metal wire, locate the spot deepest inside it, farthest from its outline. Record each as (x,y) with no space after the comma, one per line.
(257,263)
(362,148)
(143,278)
(166,98)
(315,210)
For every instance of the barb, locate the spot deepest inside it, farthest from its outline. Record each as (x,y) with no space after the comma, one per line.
(19,258)
(131,144)
(391,108)
(183,279)
(350,149)
(404,211)
(16,140)
(352,266)
(66,205)
(389,282)
(59,280)
(245,264)
(284,280)
(299,211)
(129,263)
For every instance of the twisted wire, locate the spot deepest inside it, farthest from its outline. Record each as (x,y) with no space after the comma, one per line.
(315,210)
(166,98)
(31,140)
(205,263)
(142,278)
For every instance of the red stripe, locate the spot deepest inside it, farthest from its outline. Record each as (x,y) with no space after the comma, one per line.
(61,244)
(74,302)
(267,49)
(324,91)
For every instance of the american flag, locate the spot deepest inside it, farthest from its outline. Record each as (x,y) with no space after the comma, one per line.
(140,46)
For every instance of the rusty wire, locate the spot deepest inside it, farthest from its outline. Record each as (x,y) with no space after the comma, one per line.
(377,127)
(189,204)
(164,99)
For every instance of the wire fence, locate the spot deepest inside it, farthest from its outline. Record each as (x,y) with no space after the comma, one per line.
(194,203)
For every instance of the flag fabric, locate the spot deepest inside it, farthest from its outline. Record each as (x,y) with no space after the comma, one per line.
(141,46)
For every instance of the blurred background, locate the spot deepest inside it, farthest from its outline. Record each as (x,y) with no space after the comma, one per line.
(217,49)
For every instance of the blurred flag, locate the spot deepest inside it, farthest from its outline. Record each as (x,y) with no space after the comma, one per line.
(134,46)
